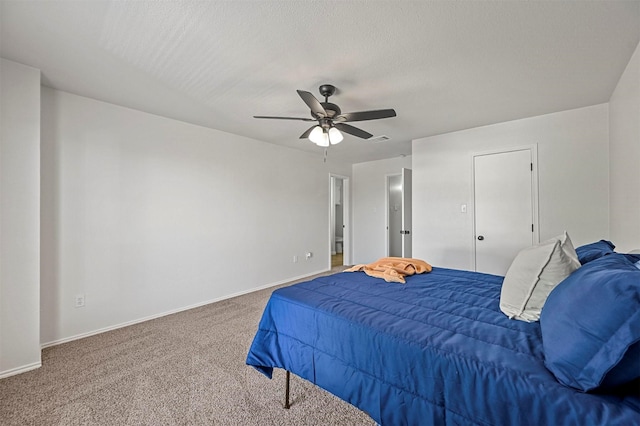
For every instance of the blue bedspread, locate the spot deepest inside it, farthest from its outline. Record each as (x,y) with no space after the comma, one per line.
(436,350)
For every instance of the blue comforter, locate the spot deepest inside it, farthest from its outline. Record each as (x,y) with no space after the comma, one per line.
(436,350)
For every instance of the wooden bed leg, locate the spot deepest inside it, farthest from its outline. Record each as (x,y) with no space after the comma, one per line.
(286,391)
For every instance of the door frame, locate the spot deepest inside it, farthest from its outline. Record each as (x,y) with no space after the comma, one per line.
(346,218)
(533,148)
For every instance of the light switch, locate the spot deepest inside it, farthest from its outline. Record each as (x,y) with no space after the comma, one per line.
(463,208)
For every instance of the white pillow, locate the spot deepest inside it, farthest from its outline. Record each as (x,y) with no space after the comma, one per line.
(534,272)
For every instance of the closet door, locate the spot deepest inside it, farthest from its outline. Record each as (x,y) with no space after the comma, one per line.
(504,208)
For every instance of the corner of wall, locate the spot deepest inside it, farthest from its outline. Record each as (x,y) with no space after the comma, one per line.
(19,218)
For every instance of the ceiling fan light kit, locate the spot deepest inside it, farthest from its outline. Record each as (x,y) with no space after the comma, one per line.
(324,138)
(331,120)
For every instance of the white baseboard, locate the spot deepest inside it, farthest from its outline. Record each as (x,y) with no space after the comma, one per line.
(20,370)
(173,311)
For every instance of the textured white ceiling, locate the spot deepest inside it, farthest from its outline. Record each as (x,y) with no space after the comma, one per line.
(442,65)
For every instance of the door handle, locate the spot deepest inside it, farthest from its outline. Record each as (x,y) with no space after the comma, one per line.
(480,238)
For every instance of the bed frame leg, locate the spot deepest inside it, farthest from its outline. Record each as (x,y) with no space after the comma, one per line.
(286,390)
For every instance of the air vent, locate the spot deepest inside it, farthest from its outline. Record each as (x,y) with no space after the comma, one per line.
(377,139)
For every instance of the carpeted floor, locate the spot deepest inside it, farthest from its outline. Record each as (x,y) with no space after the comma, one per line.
(182,369)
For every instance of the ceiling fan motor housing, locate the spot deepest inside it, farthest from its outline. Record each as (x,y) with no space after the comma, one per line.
(332,110)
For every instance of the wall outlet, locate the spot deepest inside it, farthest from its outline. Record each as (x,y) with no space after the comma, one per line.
(79,300)
(295,259)
(309,255)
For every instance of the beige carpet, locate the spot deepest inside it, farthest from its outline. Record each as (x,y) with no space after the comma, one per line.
(183,369)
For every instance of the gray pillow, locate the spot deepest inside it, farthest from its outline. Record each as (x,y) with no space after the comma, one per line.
(534,272)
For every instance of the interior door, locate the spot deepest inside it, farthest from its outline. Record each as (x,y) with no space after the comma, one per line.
(406,213)
(394,215)
(503,194)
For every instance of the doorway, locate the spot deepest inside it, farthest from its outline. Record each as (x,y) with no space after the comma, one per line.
(339,214)
(505,207)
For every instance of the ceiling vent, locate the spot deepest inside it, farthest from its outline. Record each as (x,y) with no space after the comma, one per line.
(378,139)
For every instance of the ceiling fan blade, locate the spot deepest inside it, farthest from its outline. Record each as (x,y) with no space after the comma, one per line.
(283,118)
(366,115)
(312,103)
(308,132)
(353,130)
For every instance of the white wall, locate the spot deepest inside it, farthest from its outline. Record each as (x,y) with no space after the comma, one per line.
(369,206)
(624,158)
(19,218)
(573,181)
(145,215)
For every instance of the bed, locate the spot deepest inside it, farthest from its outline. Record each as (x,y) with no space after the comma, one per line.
(438,350)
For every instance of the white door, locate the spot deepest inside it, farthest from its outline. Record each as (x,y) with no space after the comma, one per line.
(406,213)
(503,199)
(394,216)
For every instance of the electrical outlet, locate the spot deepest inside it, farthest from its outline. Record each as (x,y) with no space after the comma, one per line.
(79,300)
(295,259)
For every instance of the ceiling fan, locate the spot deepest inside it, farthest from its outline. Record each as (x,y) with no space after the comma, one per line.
(331,119)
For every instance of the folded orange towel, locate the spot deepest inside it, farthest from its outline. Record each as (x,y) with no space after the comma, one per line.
(393,269)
